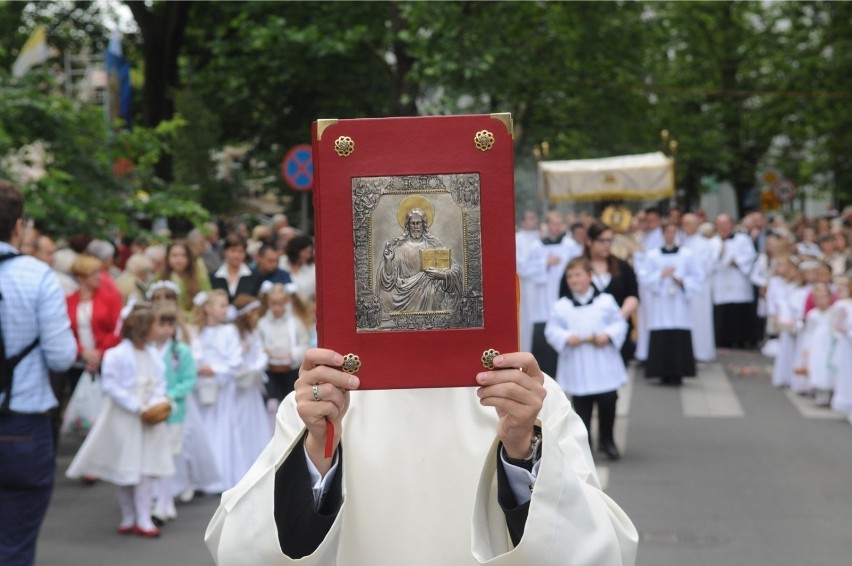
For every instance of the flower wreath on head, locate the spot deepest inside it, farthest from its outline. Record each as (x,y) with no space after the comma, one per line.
(248,308)
(163,284)
(200,299)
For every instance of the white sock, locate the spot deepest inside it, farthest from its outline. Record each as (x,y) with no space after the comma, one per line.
(143,495)
(125,504)
(164,507)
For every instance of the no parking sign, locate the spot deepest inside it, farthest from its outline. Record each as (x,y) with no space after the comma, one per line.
(297,168)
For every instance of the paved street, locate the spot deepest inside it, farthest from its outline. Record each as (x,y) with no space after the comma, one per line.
(726,470)
(81,523)
(730,471)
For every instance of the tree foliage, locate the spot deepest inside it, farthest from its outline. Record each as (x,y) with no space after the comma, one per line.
(743,86)
(62,154)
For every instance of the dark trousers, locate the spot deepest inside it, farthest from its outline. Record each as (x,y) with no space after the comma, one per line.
(27,466)
(281,384)
(583,405)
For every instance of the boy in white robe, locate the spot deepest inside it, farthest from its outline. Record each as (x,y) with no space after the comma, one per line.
(423,480)
(671,275)
(587,330)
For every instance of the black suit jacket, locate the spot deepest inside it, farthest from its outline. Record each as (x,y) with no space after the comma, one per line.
(248,285)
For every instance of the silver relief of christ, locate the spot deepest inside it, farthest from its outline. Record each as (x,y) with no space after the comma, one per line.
(418,253)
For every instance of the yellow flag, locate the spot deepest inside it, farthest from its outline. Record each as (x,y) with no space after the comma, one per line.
(34,52)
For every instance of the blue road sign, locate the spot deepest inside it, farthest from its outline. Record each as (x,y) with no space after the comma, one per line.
(297,168)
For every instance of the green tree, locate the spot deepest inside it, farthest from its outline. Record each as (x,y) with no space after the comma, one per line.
(62,155)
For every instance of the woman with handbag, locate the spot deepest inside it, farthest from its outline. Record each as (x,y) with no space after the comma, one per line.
(129,444)
(94,312)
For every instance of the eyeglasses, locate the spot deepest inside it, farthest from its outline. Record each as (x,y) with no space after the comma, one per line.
(604,240)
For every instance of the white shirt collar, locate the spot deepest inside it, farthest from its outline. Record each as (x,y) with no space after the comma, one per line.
(585,297)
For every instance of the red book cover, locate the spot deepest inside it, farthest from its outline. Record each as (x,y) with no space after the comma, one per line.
(415,245)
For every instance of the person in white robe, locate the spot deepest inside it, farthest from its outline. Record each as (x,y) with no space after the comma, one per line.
(761,274)
(841,349)
(217,351)
(587,330)
(643,313)
(283,330)
(733,293)
(817,346)
(701,304)
(780,299)
(249,418)
(799,382)
(543,268)
(525,238)
(672,276)
(652,231)
(651,239)
(421,477)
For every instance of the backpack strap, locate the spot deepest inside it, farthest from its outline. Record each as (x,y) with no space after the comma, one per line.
(7,365)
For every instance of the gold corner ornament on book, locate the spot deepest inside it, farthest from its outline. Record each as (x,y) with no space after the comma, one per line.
(484,140)
(351,363)
(344,146)
(488,358)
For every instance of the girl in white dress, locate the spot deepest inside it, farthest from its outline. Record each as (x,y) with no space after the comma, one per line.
(587,331)
(799,382)
(816,344)
(180,381)
(129,445)
(254,429)
(780,304)
(841,353)
(217,351)
(195,465)
(284,331)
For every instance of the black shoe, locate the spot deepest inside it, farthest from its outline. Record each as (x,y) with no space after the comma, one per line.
(610,450)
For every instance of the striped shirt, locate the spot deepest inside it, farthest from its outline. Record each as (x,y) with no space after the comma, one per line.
(33,305)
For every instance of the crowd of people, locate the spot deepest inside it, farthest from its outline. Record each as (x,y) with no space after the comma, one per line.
(683,287)
(215,328)
(195,343)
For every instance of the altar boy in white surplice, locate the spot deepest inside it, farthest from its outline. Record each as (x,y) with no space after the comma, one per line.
(672,277)
(587,331)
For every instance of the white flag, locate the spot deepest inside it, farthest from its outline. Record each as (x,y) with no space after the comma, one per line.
(34,52)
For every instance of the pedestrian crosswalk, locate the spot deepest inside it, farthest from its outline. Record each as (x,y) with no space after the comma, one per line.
(710,396)
(809,409)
